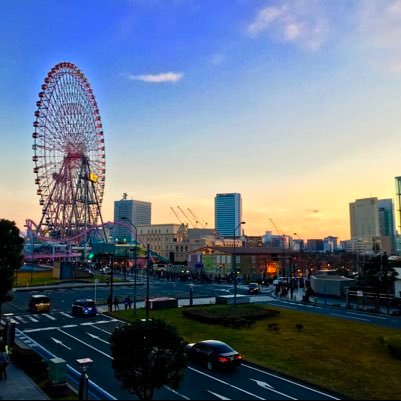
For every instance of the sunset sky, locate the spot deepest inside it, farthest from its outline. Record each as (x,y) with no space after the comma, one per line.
(294,104)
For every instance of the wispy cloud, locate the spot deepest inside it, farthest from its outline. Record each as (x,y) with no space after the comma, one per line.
(172,77)
(300,22)
(379,24)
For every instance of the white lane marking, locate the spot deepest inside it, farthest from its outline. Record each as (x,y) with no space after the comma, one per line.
(267,386)
(83,342)
(68,326)
(350,317)
(227,384)
(289,381)
(97,338)
(49,316)
(88,324)
(219,396)
(104,331)
(57,341)
(40,329)
(32,318)
(108,321)
(21,319)
(176,392)
(66,314)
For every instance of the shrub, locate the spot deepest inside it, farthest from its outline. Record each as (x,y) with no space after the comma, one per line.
(394,347)
(223,314)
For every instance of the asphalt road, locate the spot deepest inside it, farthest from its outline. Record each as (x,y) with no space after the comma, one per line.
(58,334)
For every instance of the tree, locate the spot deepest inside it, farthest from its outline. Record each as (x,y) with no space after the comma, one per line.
(11,246)
(147,355)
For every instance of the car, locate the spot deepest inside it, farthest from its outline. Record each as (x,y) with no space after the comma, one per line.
(105,270)
(280,280)
(253,288)
(84,307)
(213,354)
(39,303)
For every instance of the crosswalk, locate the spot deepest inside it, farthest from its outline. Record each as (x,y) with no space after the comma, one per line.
(37,318)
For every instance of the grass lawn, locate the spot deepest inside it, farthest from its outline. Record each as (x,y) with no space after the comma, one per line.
(345,356)
(46,278)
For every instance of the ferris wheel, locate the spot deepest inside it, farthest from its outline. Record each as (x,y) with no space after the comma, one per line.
(69,154)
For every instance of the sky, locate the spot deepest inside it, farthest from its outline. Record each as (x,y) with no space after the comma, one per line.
(293,104)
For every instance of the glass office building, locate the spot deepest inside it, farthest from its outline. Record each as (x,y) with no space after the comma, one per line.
(228,214)
(138,212)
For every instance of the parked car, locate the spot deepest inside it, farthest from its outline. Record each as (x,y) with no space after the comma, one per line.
(84,307)
(213,354)
(39,303)
(253,288)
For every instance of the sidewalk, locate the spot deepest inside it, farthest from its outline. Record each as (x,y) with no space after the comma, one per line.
(18,386)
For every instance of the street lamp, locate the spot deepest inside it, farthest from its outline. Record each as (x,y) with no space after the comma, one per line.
(84,364)
(147,281)
(235,265)
(135,255)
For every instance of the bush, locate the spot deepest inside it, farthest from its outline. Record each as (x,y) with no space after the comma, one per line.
(394,347)
(222,314)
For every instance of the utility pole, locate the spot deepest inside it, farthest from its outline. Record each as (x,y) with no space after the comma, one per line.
(147,281)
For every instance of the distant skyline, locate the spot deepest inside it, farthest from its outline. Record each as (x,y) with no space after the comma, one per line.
(293,104)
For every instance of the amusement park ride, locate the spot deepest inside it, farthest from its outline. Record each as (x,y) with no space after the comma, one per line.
(69,166)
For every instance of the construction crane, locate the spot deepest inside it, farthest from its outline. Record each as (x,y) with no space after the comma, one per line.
(196,219)
(178,217)
(186,216)
(278,231)
(202,222)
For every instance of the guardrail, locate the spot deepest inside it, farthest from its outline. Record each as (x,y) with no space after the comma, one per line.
(72,377)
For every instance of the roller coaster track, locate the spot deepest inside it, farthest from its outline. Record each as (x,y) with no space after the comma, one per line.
(32,228)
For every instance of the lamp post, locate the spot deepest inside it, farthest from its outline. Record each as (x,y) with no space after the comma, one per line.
(84,364)
(235,265)
(111,282)
(147,281)
(135,256)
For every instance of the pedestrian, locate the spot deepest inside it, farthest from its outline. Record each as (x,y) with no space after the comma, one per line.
(4,362)
(127,302)
(116,306)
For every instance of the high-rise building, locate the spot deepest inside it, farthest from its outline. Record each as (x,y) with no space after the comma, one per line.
(228,214)
(386,221)
(138,213)
(330,244)
(364,222)
(398,195)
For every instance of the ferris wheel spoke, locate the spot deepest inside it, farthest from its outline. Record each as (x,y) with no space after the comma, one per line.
(68,145)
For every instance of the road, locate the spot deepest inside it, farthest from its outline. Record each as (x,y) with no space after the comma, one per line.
(59,334)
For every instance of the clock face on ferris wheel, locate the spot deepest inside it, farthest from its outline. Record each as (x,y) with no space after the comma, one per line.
(69,154)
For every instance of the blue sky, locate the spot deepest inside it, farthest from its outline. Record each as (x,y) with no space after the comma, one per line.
(294,104)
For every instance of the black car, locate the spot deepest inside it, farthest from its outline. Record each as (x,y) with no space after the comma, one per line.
(84,307)
(213,354)
(253,288)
